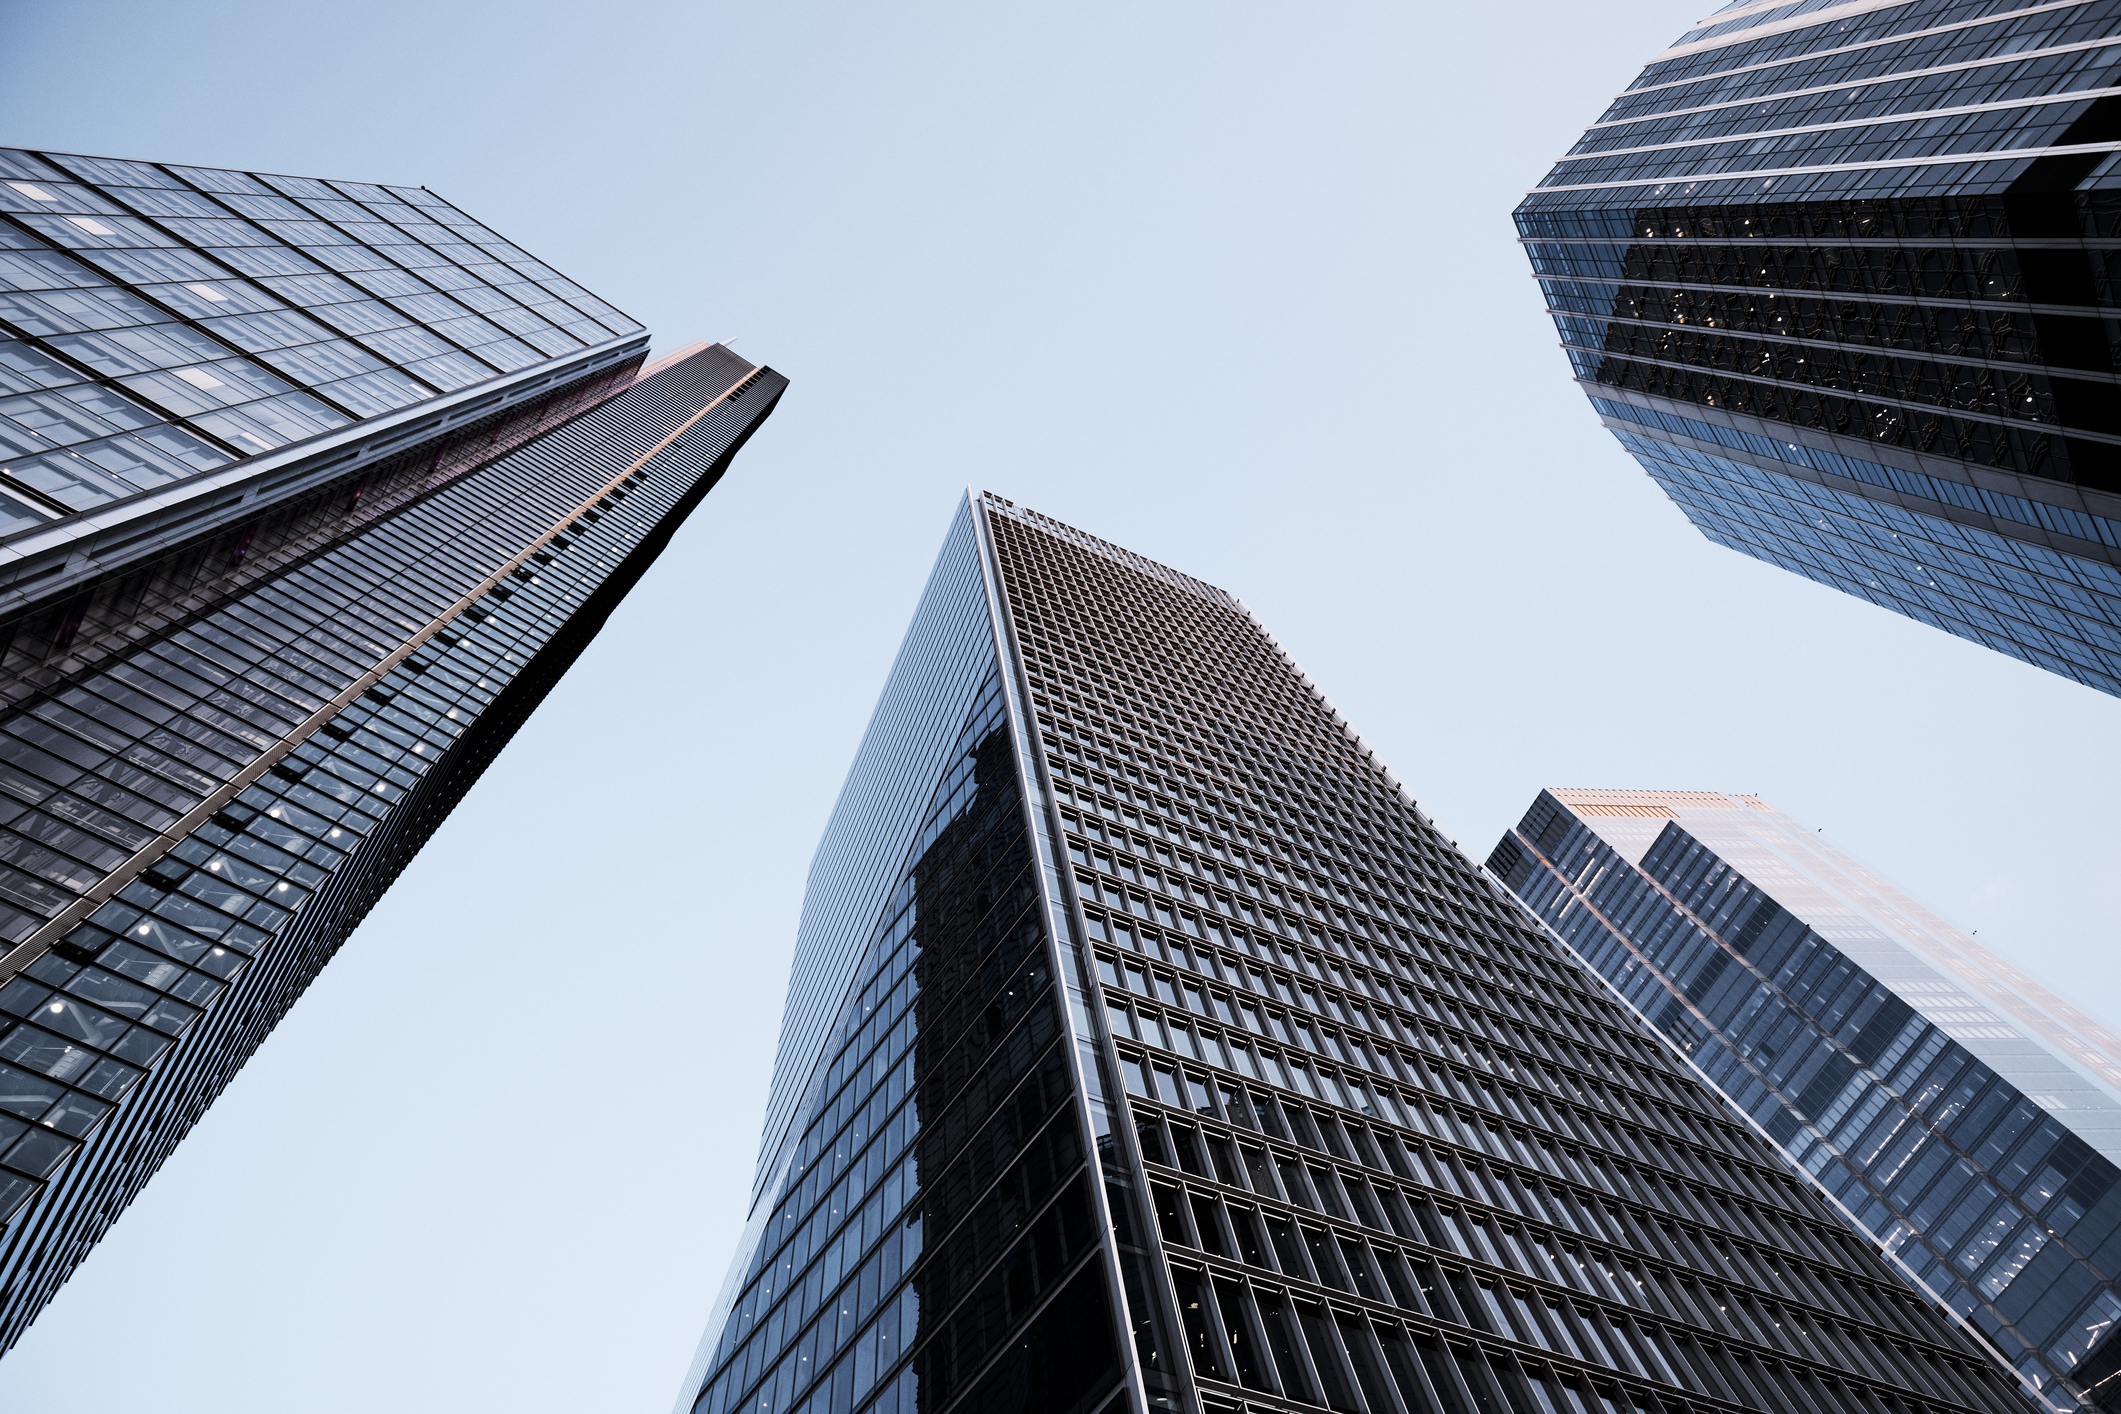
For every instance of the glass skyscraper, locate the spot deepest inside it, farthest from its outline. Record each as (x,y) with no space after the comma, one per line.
(1146,1047)
(309,492)
(1962,1114)
(1840,277)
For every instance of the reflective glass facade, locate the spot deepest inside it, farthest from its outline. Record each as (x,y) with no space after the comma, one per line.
(232,707)
(181,348)
(1963,1116)
(157,321)
(1177,1061)
(1840,278)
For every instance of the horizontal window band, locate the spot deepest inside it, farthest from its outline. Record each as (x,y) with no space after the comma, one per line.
(2099,535)
(1851,48)
(40,941)
(1898,77)
(1790,24)
(1866,298)
(1432,1059)
(1847,351)
(1583,1196)
(1737,240)
(1854,124)
(2043,429)
(2014,154)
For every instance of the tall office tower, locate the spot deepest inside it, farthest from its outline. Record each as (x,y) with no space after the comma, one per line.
(1146,1048)
(309,492)
(1958,1111)
(1840,277)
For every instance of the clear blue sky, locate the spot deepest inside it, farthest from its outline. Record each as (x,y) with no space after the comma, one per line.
(1232,285)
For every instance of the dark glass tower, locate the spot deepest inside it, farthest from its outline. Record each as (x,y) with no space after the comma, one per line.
(310,492)
(1964,1116)
(1147,1048)
(1841,278)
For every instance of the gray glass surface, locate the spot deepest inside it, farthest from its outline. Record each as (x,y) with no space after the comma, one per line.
(1840,277)
(195,816)
(1181,1063)
(1965,1117)
(158,321)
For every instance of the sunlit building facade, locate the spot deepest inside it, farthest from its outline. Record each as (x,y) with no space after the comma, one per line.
(1964,1117)
(1840,278)
(1146,1047)
(309,492)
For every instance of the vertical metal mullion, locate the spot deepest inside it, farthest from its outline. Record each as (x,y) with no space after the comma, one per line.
(185,319)
(1091,1057)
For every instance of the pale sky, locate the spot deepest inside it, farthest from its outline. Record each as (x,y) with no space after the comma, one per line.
(1232,285)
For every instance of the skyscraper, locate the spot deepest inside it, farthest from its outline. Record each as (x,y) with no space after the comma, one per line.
(1147,1048)
(311,491)
(1965,1116)
(1839,277)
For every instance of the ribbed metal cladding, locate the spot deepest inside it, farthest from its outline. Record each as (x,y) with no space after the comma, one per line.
(1181,1063)
(91,604)
(1376,1141)
(489,587)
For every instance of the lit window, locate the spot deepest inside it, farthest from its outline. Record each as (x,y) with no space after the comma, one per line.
(34,193)
(208,292)
(91,225)
(199,378)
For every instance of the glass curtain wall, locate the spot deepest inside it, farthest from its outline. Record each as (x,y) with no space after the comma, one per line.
(1349,1129)
(193,827)
(1840,278)
(1924,1099)
(926,1235)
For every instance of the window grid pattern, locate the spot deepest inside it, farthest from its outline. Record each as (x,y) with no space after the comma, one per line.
(2055,611)
(1333,1032)
(1881,42)
(947,654)
(932,1245)
(56,638)
(1847,104)
(117,1036)
(157,321)
(1910,289)
(94,770)
(2058,521)
(1997,1208)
